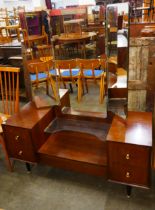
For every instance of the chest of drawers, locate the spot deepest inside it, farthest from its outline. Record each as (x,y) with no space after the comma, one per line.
(24,132)
(129,164)
(129,149)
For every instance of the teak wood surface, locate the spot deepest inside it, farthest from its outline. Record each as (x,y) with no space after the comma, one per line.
(79,150)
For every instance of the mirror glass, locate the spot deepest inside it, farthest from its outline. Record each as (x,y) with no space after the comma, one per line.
(95,14)
(117,49)
(85,79)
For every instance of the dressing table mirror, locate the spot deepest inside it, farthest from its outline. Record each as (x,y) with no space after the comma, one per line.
(117,49)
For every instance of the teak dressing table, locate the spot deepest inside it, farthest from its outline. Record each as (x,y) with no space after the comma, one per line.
(114,148)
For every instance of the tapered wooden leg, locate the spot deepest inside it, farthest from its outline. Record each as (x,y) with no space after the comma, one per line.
(79,90)
(102,90)
(71,88)
(128,190)
(53,86)
(28,167)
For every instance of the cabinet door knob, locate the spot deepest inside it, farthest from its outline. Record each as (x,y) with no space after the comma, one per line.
(16,138)
(20,152)
(127,156)
(127,175)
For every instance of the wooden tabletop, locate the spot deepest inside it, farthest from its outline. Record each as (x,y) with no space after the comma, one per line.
(136,129)
(74,36)
(35,37)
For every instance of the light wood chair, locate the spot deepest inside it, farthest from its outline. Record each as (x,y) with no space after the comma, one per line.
(45,52)
(93,69)
(43,72)
(9,88)
(27,50)
(69,74)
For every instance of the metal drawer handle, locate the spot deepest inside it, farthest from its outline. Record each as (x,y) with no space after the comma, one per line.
(127,175)
(16,138)
(127,156)
(20,152)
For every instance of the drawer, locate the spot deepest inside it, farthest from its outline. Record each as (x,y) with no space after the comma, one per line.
(18,143)
(128,154)
(130,175)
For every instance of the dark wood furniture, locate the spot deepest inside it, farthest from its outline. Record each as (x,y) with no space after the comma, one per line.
(32,22)
(110,147)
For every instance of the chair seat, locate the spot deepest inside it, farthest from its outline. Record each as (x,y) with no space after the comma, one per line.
(40,76)
(89,73)
(66,73)
(53,72)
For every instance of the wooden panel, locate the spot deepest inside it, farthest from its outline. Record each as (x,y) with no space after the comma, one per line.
(76,166)
(76,146)
(138,63)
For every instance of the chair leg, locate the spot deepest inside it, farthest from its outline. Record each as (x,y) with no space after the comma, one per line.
(47,88)
(71,88)
(101,90)
(79,90)
(7,159)
(86,84)
(53,86)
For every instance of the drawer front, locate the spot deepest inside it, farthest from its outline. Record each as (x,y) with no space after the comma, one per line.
(130,175)
(133,155)
(18,143)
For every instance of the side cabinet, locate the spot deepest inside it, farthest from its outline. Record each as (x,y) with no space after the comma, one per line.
(129,164)
(19,143)
(129,148)
(24,132)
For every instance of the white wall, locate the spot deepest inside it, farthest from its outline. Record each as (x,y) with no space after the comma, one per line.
(29,4)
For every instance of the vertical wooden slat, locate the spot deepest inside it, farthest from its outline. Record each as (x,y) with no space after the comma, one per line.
(10,99)
(13,88)
(2,92)
(6,93)
(17,94)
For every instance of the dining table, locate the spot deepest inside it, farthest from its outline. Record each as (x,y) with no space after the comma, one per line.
(32,39)
(79,38)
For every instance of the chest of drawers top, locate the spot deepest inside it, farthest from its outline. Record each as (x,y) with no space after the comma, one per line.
(136,129)
(28,116)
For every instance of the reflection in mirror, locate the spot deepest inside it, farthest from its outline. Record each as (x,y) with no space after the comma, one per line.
(40,78)
(117,48)
(95,14)
(83,76)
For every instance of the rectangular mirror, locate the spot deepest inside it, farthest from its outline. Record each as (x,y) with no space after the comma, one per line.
(117,49)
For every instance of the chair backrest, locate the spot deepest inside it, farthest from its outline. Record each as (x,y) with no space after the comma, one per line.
(39,67)
(5,39)
(45,51)
(9,89)
(62,65)
(89,64)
